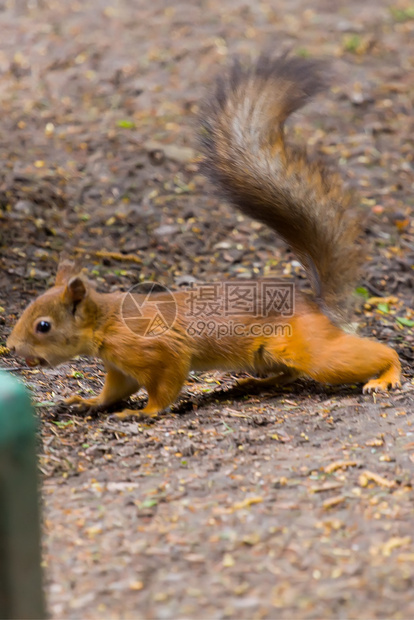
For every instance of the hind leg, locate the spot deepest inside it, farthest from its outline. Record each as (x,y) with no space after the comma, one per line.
(350,359)
(389,378)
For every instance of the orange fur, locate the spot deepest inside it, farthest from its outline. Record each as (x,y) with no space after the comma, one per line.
(313,347)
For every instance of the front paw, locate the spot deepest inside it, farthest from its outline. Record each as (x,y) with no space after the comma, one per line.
(137,413)
(83,403)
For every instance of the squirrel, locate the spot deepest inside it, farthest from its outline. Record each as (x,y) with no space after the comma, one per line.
(251,163)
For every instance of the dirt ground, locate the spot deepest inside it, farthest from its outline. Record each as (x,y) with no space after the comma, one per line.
(296,503)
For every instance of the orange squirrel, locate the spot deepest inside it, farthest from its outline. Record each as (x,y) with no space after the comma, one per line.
(249,160)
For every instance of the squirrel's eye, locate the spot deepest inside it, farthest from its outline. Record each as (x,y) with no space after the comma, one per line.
(43,327)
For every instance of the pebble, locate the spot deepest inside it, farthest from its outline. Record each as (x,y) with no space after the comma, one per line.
(27,207)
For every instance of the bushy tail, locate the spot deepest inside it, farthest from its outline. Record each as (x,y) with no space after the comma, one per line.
(249,162)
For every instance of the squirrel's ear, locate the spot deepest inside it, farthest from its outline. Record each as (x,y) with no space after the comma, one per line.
(66,270)
(75,290)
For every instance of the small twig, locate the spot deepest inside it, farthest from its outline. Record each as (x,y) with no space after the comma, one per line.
(234,414)
(406,244)
(114,255)
(372,289)
(17,368)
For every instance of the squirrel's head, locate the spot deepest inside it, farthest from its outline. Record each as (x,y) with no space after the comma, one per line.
(58,325)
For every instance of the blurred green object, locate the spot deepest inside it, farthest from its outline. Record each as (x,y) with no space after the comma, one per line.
(21,588)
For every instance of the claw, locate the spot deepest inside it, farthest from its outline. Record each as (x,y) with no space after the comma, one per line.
(83,403)
(135,413)
(379,385)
